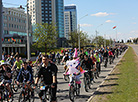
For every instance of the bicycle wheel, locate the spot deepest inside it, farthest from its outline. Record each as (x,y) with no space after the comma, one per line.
(86,84)
(77,89)
(31,97)
(22,97)
(14,85)
(71,93)
(48,95)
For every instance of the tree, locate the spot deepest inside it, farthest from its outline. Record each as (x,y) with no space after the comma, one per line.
(45,35)
(73,39)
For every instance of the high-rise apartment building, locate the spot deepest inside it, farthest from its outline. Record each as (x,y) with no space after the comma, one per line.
(47,11)
(70,20)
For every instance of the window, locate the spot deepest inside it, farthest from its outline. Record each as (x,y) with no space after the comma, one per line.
(14,26)
(9,25)
(9,18)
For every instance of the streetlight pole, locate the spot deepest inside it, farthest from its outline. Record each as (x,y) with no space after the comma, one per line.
(104,40)
(79,31)
(97,33)
(1,30)
(27,30)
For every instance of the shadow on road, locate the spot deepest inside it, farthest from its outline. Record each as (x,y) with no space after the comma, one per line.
(114,74)
(111,79)
(101,93)
(108,85)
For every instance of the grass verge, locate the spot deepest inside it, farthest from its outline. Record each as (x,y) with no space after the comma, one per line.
(125,88)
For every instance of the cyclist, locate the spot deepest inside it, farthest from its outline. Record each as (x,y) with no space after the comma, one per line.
(87,64)
(65,58)
(105,57)
(110,56)
(98,60)
(6,72)
(48,72)
(25,75)
(17,63)
(73,67)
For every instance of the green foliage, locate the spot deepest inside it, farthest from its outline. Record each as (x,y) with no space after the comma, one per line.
(73,39)
(45,35)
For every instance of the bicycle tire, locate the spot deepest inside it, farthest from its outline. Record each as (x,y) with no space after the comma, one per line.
(48,95)
(86,84)
(15,88)
(77,90)
(71,93)
(21,97)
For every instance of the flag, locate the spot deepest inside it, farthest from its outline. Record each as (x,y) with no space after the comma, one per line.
(114,27)
(2,39)
(12,38)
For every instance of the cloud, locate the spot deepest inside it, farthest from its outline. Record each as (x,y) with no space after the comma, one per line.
(134,23)
(102,14)
(134,31)
(109,21)
(86,25)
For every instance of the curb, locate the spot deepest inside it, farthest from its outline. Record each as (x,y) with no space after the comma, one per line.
(92,96)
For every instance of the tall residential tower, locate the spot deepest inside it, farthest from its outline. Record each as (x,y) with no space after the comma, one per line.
(70,20)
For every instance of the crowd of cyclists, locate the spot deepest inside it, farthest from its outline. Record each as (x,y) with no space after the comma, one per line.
(16,73)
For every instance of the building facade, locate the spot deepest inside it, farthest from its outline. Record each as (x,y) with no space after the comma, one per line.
(14,30)
(70,20)
(48,11)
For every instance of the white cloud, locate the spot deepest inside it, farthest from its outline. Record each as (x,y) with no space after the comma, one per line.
(86,25)
(134,23)
(109,21)
(102,14)
(134,31)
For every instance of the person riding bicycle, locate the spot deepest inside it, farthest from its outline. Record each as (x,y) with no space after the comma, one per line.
(5,71)
(25,75)
(73,67)
(98,60)
(17,63)
(87,64)
(105,57)
(65,58)
(48,72)
(110,56)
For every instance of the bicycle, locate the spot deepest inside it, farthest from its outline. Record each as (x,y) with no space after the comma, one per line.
(87,80)
(14,84)
(74,88)
(47,92)
(25,94)
(4,93)
(105,62)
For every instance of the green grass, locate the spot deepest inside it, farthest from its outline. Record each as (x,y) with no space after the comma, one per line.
(127,90)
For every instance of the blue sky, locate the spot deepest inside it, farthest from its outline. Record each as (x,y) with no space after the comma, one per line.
(102,16)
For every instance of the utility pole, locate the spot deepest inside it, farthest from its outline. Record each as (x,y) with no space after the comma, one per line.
(1,30)
(79,36)
(96,39)
(104,40)
(27,30)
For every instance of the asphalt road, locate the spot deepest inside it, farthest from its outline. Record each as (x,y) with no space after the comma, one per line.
(63,88)
(135,47)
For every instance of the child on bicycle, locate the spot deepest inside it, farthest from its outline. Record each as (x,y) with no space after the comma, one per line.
(73,67)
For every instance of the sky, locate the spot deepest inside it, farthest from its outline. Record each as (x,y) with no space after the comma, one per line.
(102,16)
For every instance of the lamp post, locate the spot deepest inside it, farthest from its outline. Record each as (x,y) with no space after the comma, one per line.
(97,33)
(27,30)
(1,30)
(79,30)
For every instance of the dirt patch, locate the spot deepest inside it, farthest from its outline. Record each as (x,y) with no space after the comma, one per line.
(107,87)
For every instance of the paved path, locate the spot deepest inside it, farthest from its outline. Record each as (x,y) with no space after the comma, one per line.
(63,88)
(135,47)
